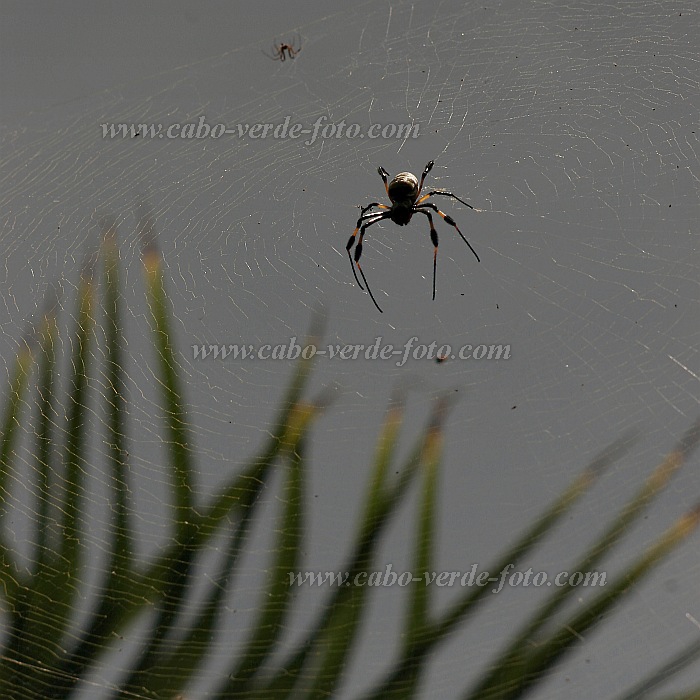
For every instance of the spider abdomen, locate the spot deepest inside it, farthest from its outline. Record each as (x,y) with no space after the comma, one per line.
(404,187)
(402,211)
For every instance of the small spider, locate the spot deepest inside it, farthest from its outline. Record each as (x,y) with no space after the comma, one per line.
(404,192)
(279,49)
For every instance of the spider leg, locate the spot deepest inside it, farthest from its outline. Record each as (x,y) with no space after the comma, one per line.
(434,239)
(373,219)
(385,178)
(358,253)
(371,206)
(449,220)
(426,170)
(275,53)
(363,217)
(444,194)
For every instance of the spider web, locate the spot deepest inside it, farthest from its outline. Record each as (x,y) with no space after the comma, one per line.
(572,128)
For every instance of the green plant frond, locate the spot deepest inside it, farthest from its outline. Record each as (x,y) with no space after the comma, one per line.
(386,449)
(179,440)
(256,472)
(33,618)
(58,632)
(116,577)
(406,671)
(687,656)
(510,663)
(548,651)
(277,597)
(12,577)
(418,613)
(325,649)
(14,402)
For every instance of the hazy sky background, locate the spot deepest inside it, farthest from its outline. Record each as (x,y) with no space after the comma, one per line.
(572,128)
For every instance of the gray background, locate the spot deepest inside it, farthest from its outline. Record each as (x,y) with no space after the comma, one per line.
(573,127)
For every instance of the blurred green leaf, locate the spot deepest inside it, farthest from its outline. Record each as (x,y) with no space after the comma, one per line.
(58,631)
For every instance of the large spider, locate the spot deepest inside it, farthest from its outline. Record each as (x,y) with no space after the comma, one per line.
(404,192)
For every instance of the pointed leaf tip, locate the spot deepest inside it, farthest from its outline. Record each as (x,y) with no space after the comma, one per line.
(689,442)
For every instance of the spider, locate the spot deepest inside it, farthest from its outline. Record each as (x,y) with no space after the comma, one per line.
(404,192)
(279,49)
